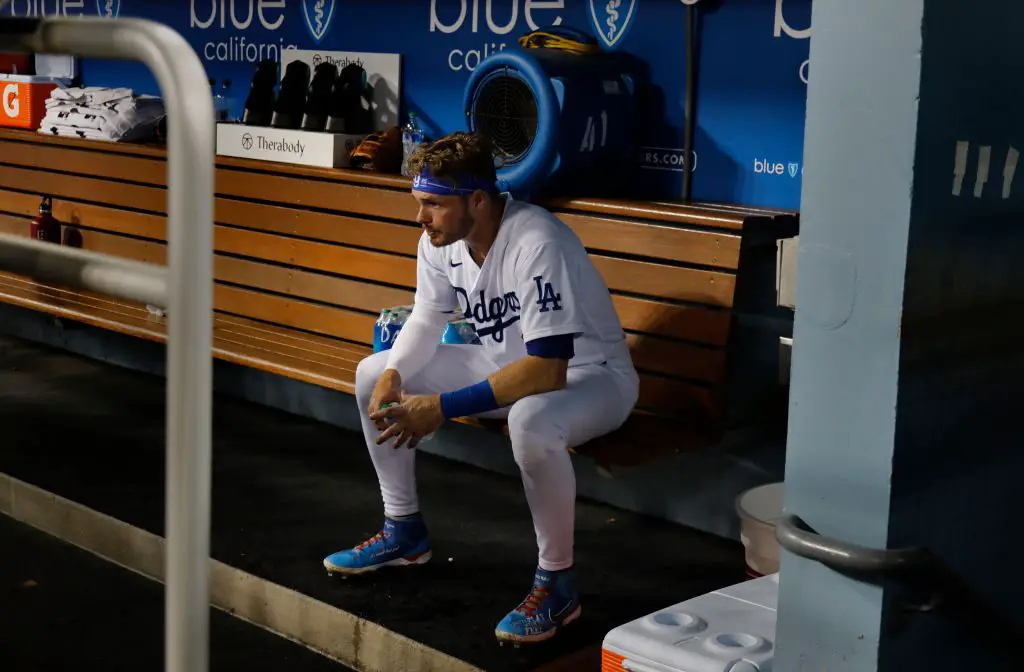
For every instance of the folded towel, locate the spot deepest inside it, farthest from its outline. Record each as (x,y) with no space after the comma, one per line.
(115,119)
(87,133)
(100,113)
(89,96)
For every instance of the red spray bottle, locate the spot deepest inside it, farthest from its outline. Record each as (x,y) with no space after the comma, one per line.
(45,226)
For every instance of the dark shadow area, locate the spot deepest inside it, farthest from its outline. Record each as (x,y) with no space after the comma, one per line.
(287,491)
(66,609)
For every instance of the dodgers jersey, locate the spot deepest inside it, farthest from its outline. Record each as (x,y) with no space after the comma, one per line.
(536,281)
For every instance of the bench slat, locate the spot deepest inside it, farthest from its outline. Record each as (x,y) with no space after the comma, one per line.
(640,315)
(649,353)
(144,192)
(229,345)
(133,321)
(638,277)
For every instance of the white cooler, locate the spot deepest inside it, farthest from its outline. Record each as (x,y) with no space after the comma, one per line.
(729,630)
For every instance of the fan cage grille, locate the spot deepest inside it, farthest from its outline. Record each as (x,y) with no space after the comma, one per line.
(505,111)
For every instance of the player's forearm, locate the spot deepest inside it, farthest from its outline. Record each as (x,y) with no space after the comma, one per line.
(526,377)
(523,378)
(416,342)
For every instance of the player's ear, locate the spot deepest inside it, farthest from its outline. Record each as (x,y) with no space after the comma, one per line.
(478,199)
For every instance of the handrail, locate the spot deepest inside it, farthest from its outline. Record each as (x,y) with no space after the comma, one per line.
(188,286)
(926,575)
(102,273)
(793,535)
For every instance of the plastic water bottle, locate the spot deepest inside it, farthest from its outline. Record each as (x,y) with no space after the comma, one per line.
(219,110)
(412,137)
(227,111)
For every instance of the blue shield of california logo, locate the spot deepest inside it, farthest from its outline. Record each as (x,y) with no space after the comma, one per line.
(612,19)
(108,9)
(318,15)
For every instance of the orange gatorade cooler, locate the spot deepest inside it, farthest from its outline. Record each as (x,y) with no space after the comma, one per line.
(729,630)
(23,100)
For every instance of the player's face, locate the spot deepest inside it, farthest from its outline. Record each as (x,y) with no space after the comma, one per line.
(445,219)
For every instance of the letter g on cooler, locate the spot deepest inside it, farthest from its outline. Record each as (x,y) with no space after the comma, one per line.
(10,101)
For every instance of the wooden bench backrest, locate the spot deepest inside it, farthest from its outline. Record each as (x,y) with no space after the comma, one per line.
(323,251)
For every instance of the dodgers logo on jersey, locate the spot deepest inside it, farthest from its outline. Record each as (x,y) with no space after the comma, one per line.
(612,19)
(547,299)
(108,9)
(489,315)
(318,14)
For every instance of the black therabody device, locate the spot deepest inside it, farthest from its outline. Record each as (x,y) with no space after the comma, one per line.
(319,98)
(291,97)
(259,106)
(351,108)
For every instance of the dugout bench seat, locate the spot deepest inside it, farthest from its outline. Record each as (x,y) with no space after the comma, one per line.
(305,259)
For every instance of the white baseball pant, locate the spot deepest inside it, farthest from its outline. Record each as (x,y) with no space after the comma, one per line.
(596,400)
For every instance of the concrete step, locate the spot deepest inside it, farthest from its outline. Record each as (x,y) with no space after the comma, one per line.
(83,455)
(65,609)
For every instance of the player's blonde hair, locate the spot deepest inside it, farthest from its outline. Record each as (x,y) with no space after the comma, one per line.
(456,155)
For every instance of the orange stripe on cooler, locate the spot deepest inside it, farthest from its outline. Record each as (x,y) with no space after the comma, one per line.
(611,662)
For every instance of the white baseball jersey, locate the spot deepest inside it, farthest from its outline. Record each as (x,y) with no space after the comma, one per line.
(536,281)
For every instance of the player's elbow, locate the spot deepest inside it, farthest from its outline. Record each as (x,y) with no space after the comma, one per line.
(551,355)
(551,374)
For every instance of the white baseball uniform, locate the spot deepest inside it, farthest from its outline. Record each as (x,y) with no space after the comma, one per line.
(537,281)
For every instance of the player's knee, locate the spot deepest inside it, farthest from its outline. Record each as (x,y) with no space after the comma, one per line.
(534,436)
(367,373)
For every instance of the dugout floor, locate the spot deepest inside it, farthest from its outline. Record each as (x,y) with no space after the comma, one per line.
(287,491)
(66,609)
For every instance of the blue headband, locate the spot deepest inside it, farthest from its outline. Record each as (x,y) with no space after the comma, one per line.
(426,183)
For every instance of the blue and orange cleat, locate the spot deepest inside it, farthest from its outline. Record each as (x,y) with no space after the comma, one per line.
(401,543)
(554,602)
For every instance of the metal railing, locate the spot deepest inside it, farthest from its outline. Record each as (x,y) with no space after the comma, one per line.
(932,585)
(184,287)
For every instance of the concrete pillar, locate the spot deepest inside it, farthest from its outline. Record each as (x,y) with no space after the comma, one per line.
(908,361)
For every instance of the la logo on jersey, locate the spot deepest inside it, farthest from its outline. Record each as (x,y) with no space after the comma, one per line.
(612,19)
(109,9)
(546,297)
(318,14)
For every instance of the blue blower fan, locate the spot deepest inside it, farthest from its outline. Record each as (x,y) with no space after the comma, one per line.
(558,111)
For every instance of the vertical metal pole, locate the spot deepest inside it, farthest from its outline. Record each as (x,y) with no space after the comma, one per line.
(190,167)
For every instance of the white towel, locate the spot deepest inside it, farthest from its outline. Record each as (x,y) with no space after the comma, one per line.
(89,96)
(101,114)
(115,118)
(86,133)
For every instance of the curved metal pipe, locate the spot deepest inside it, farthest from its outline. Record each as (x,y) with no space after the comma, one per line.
(793,535)
(190,173)
(103,273)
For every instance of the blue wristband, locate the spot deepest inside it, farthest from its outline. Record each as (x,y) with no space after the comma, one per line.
(470,400)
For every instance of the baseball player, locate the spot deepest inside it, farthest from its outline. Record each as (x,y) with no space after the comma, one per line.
(553,362)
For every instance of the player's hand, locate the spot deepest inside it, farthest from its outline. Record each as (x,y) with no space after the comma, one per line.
(417,416)
(388,390)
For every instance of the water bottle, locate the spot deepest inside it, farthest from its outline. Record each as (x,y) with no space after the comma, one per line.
(219,112)
(227,101)
(412,137)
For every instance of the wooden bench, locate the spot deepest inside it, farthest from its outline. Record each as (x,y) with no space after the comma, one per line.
(306,258)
